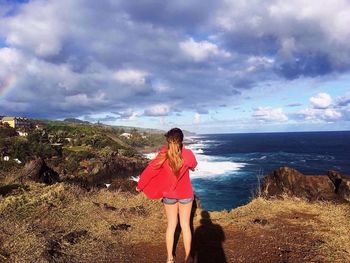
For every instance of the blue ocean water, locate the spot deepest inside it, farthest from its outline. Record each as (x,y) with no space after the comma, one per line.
(229,164)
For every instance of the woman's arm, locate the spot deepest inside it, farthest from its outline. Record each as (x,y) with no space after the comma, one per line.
(191,160)
(151,170)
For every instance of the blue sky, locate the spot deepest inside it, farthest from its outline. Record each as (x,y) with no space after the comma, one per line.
(226,66)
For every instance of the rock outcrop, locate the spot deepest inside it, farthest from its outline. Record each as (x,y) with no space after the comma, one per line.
(111,169)
(341,184)
(288,181)
(38,171)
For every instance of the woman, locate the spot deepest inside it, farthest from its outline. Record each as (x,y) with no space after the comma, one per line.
(167,177)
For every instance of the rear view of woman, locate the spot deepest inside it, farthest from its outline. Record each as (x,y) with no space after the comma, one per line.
(167,177)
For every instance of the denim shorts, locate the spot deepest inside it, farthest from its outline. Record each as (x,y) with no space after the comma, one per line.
(171,201)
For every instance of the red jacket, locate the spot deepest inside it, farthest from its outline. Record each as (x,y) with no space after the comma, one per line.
(162,182)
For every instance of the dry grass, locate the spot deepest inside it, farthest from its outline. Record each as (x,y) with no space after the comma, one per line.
(36,224)
(35,219)
(326,221)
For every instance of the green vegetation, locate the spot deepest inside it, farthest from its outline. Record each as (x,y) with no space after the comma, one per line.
(72,141)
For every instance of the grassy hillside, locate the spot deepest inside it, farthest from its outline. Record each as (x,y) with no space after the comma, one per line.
(63,223)
(72,142)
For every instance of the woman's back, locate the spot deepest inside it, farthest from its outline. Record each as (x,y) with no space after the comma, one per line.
(157,182)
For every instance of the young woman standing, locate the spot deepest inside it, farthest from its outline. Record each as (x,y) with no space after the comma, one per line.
(167,177)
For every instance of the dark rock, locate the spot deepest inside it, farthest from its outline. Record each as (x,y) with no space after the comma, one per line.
(197,201)
(73,237)
(341,183)
(96,204)
(4,255)
(123,185)
(136,210)
(109,207)
(336,179)
(319,242)
(10,188)
(114,167)
(53,250)
(288,181)
(38,171)
(110,169)
(115,227)
(260,221)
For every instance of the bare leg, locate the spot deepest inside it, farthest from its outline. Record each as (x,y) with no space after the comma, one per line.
(171,213)
(185,213)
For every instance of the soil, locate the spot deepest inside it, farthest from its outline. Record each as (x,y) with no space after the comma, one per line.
(281,239)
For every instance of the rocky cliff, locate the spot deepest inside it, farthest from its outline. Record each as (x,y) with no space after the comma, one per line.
(95,172)
(287,181)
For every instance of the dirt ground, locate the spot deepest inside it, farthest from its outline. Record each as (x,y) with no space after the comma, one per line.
(63,223)
(293,235)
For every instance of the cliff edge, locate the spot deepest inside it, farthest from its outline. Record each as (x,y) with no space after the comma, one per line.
(63,222)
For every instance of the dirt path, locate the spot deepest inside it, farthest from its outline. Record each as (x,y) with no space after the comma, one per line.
(292,236)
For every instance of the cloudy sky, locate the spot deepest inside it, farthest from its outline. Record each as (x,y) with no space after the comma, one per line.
(205,66)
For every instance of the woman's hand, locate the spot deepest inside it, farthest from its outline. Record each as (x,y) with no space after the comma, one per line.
(138,190)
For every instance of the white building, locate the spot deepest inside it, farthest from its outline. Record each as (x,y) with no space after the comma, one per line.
(126,135)
(20,133)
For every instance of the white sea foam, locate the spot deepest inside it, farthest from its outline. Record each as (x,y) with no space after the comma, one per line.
(135,178)
(199,151)
(208,166)
(211,166)
(150,155)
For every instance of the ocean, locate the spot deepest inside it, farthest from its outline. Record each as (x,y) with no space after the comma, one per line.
(229,165)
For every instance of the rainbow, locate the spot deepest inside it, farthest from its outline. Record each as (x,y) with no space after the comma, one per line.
(7,84)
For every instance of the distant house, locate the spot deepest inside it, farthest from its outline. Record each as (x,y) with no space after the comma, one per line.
(38,126)
(20,133)
(126,135)
(16,122)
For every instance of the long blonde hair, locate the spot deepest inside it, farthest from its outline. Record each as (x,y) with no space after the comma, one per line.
(173,153)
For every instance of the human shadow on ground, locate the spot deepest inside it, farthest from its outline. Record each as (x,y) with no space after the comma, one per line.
(207,239)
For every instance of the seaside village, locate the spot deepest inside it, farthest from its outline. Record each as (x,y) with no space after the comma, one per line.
(23,126)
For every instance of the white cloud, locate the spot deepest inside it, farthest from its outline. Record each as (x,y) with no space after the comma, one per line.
(82,99)
(131,76)
(10,58)
(343,100)
(322,109)
(157,110)
(196,118)
(329,115)
(140,59)
(202,50)
(134,115)
(270,114)
(321,101)
(259,62)
(128,114)
(161,88)
(38,28)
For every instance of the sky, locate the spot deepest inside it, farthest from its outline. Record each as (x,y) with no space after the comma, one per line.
(204,66)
